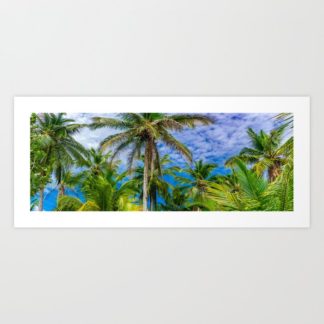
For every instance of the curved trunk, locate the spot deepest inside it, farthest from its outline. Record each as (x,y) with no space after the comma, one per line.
(41,199)
(274,171)
(61,192)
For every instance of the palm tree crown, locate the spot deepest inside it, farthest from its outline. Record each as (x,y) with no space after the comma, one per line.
(107,191)
(143,131)
(267,152)
(194,180)
(60,149)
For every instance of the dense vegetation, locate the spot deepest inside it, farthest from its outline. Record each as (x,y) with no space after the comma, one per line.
(260,177)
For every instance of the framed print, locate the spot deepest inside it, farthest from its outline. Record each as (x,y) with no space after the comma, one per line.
(162,162)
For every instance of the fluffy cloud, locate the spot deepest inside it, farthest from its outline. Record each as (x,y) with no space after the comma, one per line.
(217,142)
(226,137)
(91,138)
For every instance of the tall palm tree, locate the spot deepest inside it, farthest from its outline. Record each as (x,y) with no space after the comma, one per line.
(194,179)
(60,149)
(142,131)
(268,152)
(157,183)
(39,174)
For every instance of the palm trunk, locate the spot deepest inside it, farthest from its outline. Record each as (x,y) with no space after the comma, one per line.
(41,199)
(274,171)
(153,199)
(151,203)
(61,192)
(153,189)
(145,177)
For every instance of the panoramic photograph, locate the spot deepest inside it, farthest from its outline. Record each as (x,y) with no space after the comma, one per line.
(219,162)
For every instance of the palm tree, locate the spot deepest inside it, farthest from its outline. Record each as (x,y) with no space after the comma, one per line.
(60,149)
(280,193)
(244,190)
(157,183)
(267,152)
(97,161)
(142,131)
(69,181)
(194,180)
(176,200)
(109,191)
(246,194)
(39,174)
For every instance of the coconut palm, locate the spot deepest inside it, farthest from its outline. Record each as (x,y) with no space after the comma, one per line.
(247,194)
(95,164)
(142,131)
(245,190)
(268,152)
(97,161)
(70,181)
(105,192)
(60,149)
(193,179)
(280,193)
(176,200)
(157,183)
(39,174)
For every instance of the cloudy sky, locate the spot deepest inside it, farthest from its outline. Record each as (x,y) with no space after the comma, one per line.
(217,142)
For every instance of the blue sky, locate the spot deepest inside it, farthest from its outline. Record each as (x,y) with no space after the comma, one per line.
(217,142)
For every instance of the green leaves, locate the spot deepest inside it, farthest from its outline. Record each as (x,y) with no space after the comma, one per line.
(101,122)
(67,203)
(250,191)
(252,186)
(280,193)
(172,142)
(142,132)
(260,178)
(53,148)
(267,153)
(106,191)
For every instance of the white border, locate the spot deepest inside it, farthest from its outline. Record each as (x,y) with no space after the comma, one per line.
(300,106)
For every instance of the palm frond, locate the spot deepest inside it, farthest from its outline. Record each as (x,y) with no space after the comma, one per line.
(101,122)
(191,120)
(172,142)
(68,203)
(116,139)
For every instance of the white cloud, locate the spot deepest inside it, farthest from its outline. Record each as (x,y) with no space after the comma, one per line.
(87,137)
(216,142)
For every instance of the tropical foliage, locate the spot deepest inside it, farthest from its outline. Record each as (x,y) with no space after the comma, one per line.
(53,150)
(127,171)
